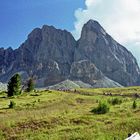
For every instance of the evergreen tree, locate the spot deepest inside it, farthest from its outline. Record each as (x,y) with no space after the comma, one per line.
(30,85)
(14,85)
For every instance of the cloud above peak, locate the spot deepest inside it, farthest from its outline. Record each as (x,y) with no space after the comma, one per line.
(120,18)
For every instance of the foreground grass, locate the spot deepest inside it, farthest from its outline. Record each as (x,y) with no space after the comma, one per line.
(56,115)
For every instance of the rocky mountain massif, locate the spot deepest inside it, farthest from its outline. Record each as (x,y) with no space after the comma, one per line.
(52,55)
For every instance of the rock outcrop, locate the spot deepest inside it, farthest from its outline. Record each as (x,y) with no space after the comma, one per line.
(87,72)
(52,55)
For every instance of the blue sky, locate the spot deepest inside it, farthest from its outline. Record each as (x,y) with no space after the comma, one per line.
(19,17)
(120,18)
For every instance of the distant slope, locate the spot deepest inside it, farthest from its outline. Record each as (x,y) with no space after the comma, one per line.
(82,84)
(3,87)
(68,84)
(106,83)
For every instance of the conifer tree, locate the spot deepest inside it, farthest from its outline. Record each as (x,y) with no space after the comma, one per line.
(14,85)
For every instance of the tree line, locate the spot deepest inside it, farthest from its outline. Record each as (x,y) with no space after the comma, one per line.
(15,87)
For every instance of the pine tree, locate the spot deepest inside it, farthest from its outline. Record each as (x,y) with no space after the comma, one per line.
(14,85)
(30,85)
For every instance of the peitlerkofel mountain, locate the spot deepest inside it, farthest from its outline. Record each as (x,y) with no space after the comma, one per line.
(52,55)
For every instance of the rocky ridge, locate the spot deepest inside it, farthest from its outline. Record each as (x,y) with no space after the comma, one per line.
(52,55)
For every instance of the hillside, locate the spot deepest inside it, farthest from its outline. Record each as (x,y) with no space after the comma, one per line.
(68,84)
(57,115)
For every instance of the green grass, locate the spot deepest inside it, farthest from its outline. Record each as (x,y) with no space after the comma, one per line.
(56,115)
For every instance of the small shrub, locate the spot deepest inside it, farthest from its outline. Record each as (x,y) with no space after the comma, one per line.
(97,101)
(12,104)
(28,105)
(102,108)
(115,101)
(134,106)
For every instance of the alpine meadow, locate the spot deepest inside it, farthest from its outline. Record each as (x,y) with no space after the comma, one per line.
(76,76)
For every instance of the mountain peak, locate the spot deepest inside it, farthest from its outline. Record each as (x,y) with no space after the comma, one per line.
(109,56)
(94,26)
(91,21)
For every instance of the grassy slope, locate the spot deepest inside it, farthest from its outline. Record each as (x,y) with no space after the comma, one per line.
(123,90)
(56,115)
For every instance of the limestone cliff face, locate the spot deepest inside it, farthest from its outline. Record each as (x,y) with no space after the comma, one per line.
(7,59)
(52,55)
(87,72)
(115,61)
(47,54)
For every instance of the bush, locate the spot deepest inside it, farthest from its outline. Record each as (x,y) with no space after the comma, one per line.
(12,104)
(102,108)
(14,85)
(134,106)
(115,101)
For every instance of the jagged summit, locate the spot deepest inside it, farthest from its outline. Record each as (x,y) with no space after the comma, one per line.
(51,54)
(94,26)
(93,23)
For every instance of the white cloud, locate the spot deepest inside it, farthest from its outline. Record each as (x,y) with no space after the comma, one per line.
(120,18)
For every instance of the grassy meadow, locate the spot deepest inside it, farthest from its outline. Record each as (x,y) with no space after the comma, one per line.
(58,115)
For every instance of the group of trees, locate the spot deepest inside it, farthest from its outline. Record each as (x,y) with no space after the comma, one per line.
(15,86)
